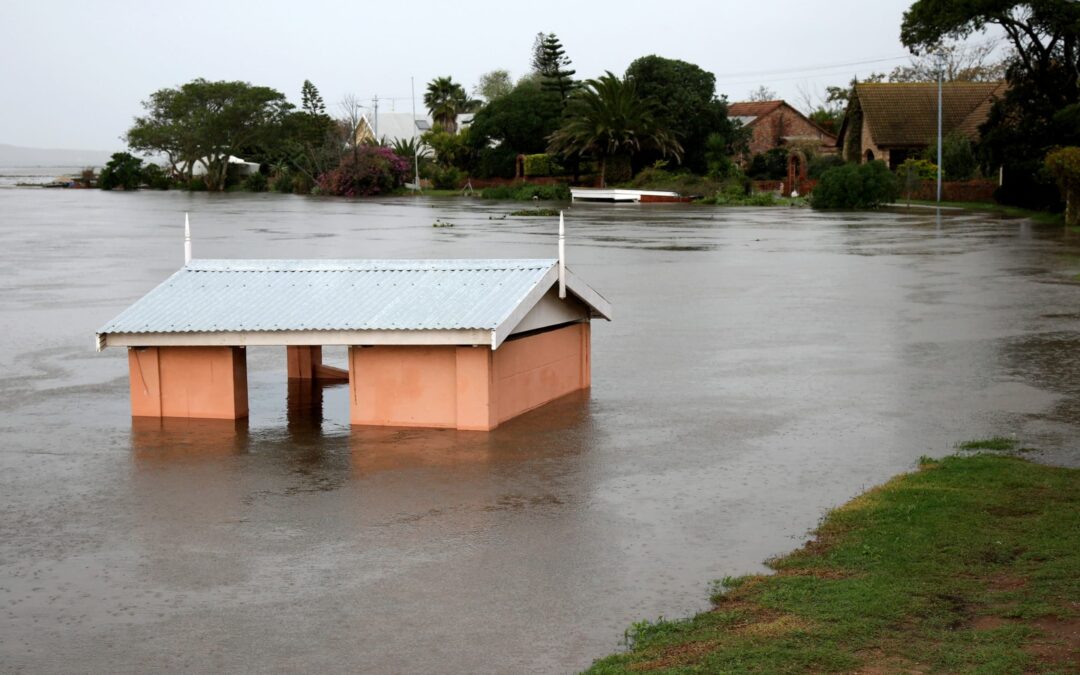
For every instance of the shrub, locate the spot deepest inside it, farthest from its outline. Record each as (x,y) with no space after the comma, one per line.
(197,184)
(542,165)
(1064,165)
(123,170)
(855,186)
(958,160)
(446,178)
(256,182)
(155,177)
(371,170)
(282,183)
(821,164)
(497,162)
(770,165)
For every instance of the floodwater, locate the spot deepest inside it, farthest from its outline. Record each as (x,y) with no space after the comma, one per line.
(764,366)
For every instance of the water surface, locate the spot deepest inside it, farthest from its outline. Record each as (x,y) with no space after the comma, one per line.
(764,366)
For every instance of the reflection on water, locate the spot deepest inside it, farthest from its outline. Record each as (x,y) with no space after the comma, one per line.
(171,439)
(765,365)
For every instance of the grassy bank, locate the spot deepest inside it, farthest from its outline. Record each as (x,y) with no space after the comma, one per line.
(990,207)
(971,564)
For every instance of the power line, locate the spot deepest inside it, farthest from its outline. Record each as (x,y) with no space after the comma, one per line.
(785,71)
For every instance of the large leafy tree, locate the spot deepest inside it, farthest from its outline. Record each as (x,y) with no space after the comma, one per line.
(686,105)
(493,84)
(1040,108)
(551,63)
(445,100)
(520,121)
(606,119)
(208,121)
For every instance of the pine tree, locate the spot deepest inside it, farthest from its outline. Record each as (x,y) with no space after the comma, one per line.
(552,65)
(310,100)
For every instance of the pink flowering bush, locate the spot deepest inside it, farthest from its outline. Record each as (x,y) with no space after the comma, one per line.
(371,170)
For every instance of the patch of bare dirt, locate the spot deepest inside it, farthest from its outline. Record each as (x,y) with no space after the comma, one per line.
(680,655)
(1058,644)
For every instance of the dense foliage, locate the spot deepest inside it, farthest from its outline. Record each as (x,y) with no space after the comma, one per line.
(1041,108)
(124,171)
(209,121)
(687,107)
(606,119)
(371,170)
(855,186)
(517,122)
(445,100)
(1064,165)
(958,161)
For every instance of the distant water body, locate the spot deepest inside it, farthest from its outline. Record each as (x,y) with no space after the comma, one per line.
(14,176)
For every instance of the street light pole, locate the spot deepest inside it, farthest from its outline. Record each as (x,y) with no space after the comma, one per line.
(940,77)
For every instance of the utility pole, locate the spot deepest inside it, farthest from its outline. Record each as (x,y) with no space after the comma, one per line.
(940,77)
(375,114)
(416,146)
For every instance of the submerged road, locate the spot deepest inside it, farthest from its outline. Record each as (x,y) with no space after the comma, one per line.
(764,366)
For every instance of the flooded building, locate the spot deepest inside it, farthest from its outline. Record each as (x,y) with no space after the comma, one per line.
(463,344)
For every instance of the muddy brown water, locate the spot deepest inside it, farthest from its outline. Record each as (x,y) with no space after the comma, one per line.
(764,366)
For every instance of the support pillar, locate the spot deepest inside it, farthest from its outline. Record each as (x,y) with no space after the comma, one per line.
(475,389)
(193,382)
(305,363)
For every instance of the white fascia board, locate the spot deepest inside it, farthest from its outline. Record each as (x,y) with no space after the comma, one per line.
(507,325)
(599,303)
(477,336)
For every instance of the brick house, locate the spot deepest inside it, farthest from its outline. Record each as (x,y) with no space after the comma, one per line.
(896,120)
(773,124)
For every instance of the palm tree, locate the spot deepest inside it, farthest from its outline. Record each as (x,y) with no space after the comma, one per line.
(445,100)
(607,118)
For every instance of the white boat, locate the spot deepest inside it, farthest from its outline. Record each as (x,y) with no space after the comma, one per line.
(621,195)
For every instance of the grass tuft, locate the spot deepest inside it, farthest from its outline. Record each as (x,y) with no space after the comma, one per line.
(995,443)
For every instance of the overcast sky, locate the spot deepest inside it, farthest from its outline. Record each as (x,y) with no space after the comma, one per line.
(74,73)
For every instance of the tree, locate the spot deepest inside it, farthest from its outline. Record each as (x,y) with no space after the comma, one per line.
(958,160)
(855,186)
(311,100)
(552,64)
(209,121)
(445,100)
(311,142)
(1064,165)
(762,93)
(519,122)
(493,84)
(608,119)
(1039,109)
(351,116)
(123,170)
(962,63)
(686,105)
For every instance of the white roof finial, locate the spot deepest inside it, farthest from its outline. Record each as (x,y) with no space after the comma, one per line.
(562,258)
(187,239)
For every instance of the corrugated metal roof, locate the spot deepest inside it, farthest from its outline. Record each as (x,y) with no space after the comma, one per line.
(275,295)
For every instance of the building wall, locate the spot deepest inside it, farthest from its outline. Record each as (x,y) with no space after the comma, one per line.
(472,388)
(531,371)
(194,382)
(869,145)
(767,131)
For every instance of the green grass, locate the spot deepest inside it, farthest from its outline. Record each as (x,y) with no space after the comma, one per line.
(536,212)
(995,443)
(1043,217)
(967,565)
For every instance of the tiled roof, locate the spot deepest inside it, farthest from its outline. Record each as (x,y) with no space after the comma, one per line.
(752,108)
(905,114)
